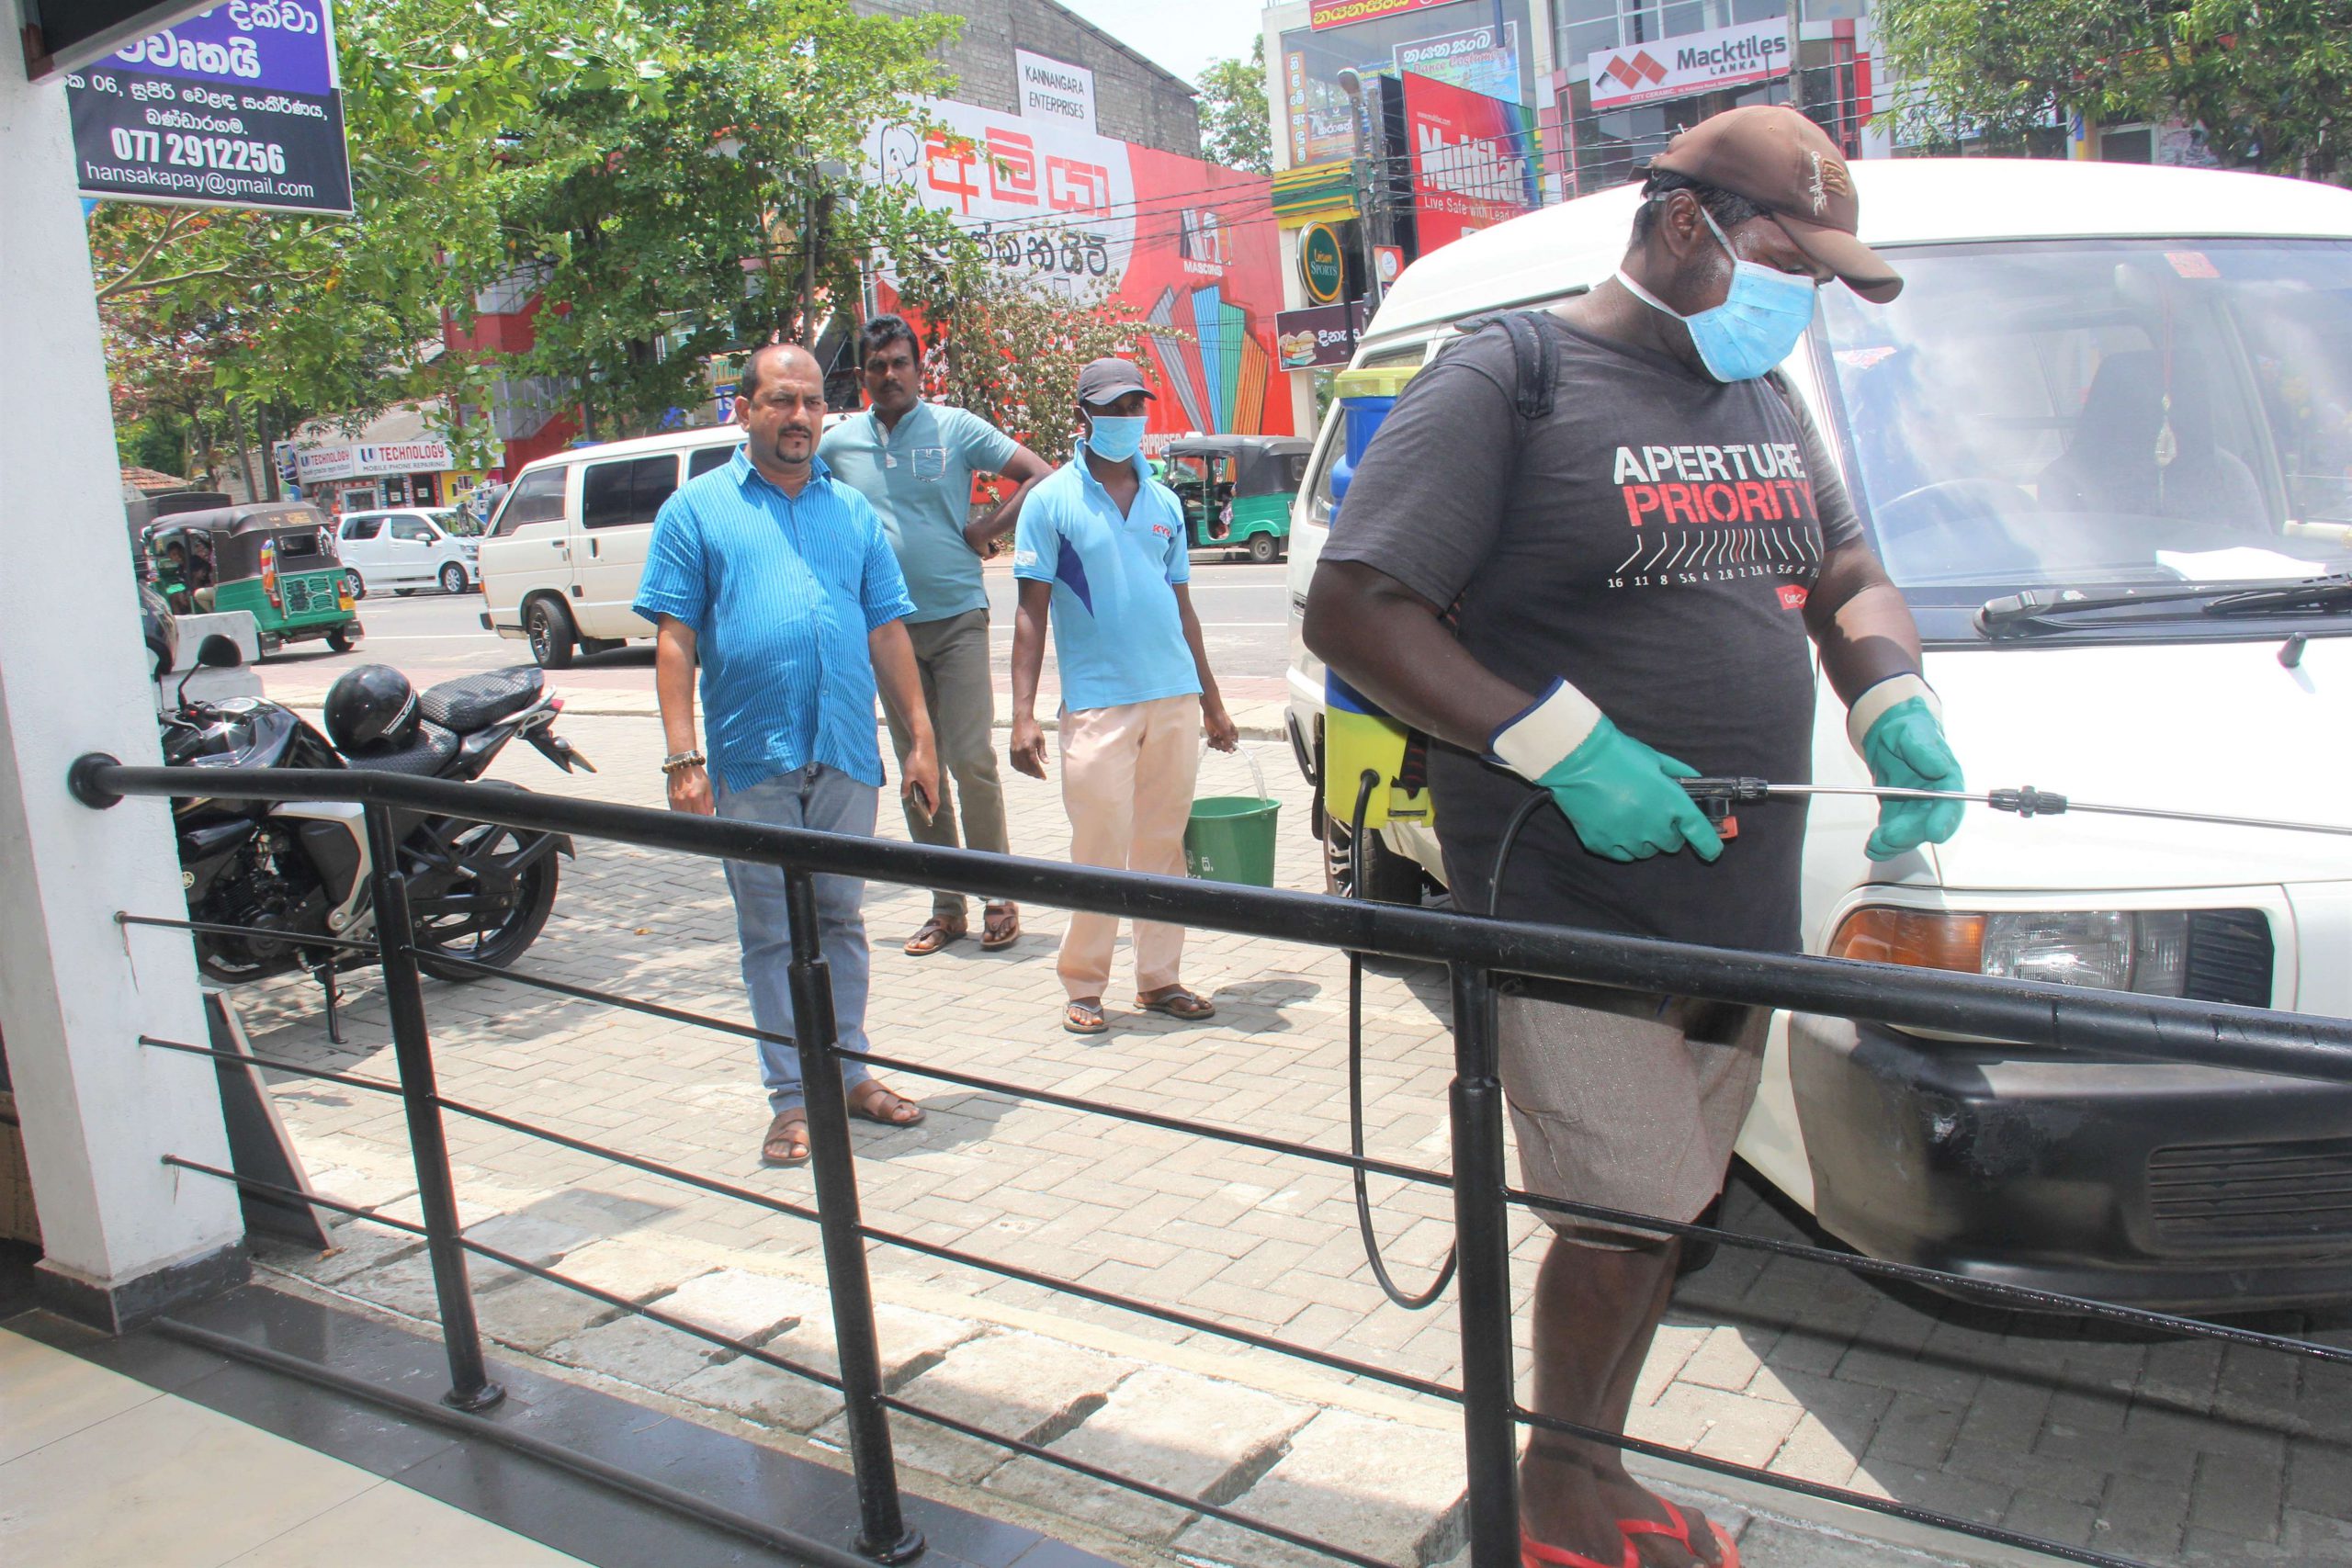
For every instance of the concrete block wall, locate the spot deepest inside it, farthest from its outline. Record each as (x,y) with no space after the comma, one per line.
(1135,100)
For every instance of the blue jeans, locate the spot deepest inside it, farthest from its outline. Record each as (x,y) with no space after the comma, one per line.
(830,801)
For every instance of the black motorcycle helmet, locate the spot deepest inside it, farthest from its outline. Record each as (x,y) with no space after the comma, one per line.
(373,705)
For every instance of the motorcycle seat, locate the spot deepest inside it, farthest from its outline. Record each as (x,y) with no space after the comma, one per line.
(428,752)
(476,701)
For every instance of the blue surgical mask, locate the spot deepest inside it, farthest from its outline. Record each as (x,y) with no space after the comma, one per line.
(1115,440)
(1757,324)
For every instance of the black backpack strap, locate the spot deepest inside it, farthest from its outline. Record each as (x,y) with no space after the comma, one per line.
(1533,355)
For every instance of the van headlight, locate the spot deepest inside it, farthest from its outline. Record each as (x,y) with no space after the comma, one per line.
(2144,950)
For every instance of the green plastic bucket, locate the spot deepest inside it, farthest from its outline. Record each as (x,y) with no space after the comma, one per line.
(1231,837)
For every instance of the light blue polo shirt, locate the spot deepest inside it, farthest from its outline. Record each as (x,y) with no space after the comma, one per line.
(780,592)
(1117,636)
(918,478)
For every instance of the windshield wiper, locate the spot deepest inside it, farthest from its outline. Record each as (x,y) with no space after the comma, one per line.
(2329,593)
(2038,609)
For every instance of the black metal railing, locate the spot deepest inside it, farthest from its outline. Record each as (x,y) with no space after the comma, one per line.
(1476,950)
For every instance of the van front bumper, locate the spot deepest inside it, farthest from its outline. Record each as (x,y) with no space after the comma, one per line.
(2151,1184)
(489,623)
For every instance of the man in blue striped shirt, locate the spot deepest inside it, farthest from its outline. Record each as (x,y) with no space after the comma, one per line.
(782,581)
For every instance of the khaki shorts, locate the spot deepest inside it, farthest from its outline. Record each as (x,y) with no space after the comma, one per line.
(1628,1101)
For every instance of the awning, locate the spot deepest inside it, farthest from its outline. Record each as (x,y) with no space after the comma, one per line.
(1314,193)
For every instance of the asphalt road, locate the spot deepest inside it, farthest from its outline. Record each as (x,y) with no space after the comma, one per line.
(434,635)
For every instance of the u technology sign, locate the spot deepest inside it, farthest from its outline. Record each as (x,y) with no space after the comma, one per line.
(241,106)
(1694,62)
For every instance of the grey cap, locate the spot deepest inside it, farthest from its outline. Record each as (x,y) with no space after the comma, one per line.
(1109,379)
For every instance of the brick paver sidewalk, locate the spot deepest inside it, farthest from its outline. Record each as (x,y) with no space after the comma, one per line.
(2171,1451)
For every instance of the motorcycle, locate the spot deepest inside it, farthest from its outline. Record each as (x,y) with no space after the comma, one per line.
(300,869)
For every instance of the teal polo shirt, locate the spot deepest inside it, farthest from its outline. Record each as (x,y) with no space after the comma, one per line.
(919,479)
(1118,638)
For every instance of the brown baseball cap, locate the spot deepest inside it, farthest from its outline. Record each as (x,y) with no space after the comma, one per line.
(1782,161)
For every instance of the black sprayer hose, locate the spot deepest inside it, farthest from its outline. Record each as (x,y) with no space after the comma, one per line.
(1389,1287)
(1511,830)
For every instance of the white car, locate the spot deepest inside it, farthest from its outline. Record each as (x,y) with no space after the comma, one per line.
(560,563)
(404,549)
(2110,402)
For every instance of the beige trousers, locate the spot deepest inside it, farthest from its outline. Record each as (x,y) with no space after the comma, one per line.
(1127,776)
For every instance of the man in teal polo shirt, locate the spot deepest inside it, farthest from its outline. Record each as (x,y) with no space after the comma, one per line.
(914,461)
(1101,556)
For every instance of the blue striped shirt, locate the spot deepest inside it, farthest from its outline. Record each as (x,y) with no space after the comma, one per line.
(780,593)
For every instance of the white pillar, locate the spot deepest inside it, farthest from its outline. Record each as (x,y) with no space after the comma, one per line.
(124,1235)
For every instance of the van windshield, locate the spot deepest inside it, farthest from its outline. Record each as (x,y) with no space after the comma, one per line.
(2088,414)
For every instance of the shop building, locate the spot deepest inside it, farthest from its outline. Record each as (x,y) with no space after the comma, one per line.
(1402,125)
(399,459)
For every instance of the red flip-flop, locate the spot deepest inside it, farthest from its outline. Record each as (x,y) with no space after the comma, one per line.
(1678,1530)
(1533,1553)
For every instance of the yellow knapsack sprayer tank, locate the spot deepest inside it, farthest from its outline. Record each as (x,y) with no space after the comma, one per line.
(1358,737)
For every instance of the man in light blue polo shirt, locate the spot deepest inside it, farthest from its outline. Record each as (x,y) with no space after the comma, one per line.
(1100,557)
(779,580)
(914,461)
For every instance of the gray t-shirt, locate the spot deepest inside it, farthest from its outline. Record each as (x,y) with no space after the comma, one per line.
(1651,540)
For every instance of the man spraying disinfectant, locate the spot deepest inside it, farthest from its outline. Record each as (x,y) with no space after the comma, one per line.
(1586,596)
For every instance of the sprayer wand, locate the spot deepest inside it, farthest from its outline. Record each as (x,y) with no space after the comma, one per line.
(1717,796)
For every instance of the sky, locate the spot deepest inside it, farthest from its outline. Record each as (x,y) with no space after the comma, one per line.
(1184,36)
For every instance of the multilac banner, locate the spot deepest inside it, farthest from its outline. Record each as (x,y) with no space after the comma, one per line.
(1190,246)
(1694,62)
(1473,159)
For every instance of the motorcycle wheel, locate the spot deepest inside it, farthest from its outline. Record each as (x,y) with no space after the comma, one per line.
(223,971)
(502,939)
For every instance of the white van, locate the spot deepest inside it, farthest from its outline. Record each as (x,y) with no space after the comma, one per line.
(2110,402)
(404,549)
(560,563)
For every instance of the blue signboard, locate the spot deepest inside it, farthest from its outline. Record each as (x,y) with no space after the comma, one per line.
(240,106)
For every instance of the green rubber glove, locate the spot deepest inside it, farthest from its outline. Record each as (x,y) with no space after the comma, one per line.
(1620,795)
(1904,743)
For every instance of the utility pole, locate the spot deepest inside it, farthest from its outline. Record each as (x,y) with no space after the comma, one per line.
(1796,50)
(1371,204)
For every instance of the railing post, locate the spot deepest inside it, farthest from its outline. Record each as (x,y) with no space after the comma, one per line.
(883,1533)
(470,1385)
(1482,1232)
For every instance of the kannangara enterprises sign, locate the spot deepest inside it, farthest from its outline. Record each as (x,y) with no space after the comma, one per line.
(1694,62)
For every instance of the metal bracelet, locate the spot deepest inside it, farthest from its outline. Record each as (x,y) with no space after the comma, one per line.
(679,762)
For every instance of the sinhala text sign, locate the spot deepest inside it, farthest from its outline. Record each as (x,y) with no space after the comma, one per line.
(240,106)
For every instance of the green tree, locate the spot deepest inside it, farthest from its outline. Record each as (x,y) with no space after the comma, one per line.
(2267,79)
(732,216)
(1235,128)
(1010,353)
(222,313)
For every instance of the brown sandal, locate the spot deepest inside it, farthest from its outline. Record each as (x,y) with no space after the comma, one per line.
(866,1102)
(1083,1015)
(1000,926)
(934,934)
(1176,1002)
(788,1140)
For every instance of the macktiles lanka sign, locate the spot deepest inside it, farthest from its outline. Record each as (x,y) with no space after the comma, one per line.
(1694,62)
